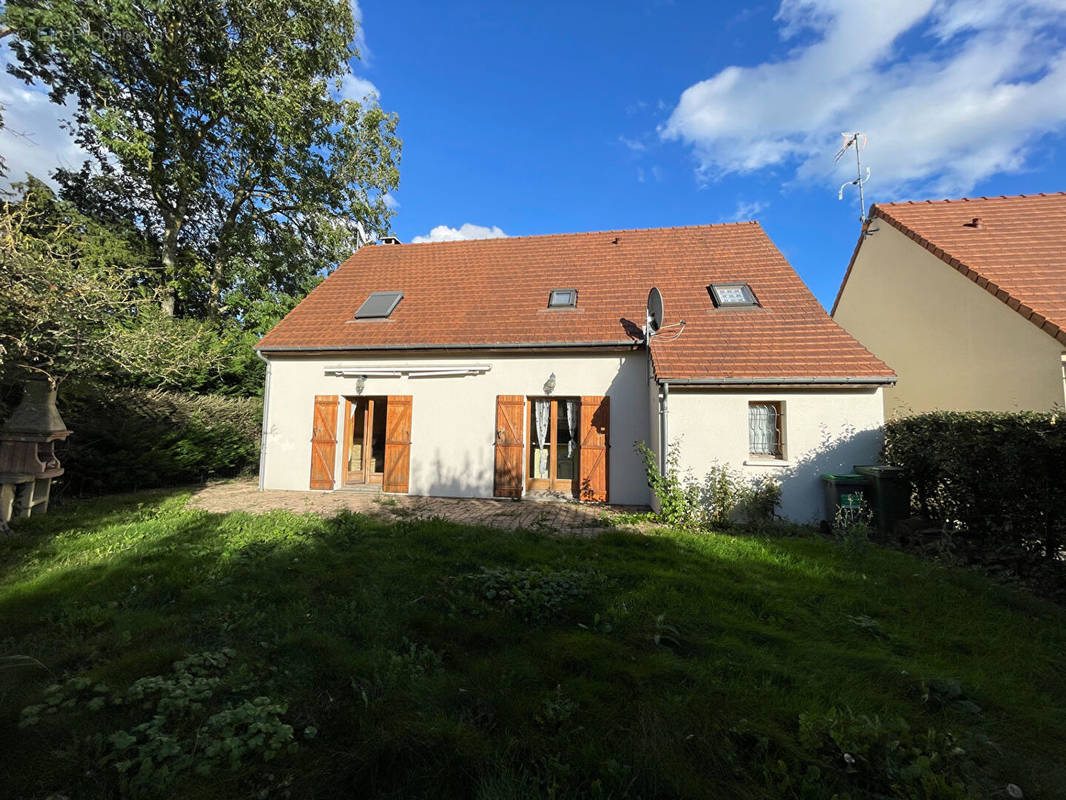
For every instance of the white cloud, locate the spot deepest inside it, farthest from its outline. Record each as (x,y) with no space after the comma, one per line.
(32,140)
(360,35)
(358,89)
(635,145)
(391,203)
(747,210)
(978,82)
(442,233)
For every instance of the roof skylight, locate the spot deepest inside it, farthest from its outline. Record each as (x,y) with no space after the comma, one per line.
(379,305)
(562,298)
(732,295)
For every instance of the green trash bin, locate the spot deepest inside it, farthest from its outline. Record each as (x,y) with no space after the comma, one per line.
(847,491)
(890,494)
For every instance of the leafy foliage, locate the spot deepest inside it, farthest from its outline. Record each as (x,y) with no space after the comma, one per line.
(128,438)
(884,757)
(219,132)
(994,480)
(724,497)
(678,495)
(852,526)
(73,301)
(189,721)
(536,595)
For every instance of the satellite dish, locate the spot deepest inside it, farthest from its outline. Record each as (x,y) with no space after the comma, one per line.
(655,310)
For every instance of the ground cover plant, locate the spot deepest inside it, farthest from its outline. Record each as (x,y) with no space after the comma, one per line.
(147,650)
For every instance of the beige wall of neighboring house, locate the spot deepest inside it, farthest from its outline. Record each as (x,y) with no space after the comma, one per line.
(953,345)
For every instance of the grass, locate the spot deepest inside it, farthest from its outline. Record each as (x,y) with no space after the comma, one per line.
(348,657)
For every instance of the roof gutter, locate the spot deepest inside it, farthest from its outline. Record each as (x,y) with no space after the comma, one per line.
(850,381)
(627,343)
(664,422)
(266,417)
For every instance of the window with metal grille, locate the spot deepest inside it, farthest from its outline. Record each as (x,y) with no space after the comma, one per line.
(764,429)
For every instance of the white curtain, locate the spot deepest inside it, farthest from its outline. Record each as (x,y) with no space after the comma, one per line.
(762,429)
(571,421)
(542,412)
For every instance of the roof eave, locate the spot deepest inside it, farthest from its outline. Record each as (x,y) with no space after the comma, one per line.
(874,212)
(629,344)
(861,380)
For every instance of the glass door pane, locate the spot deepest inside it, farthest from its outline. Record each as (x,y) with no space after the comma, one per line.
(566,447)
(540,440)
(377,441)
(355,446)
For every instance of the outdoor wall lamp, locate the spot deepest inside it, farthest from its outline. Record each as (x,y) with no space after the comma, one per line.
(549,385)
(360,384)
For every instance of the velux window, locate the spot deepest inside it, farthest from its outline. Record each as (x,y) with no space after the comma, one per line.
(562,298)
(379,305)
(730,295)
(765,426)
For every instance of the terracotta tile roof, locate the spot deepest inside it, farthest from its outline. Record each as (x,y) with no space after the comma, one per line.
(1016,251)
(494,293)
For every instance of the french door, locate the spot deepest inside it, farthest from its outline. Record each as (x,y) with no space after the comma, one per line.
(554,444)
(364,439)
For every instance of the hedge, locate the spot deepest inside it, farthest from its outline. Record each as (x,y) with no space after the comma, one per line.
(127,439)
(997,479)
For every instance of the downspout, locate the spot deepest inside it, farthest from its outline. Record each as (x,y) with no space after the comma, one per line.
(664,422)
(266,416)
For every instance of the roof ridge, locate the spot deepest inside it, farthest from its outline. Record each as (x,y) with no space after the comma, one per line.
(707,225)
(969,199)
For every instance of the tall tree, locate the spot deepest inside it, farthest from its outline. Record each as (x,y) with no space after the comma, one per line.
(219,128)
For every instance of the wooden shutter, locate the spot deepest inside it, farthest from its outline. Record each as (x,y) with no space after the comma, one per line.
(510,425)
(397,476)
(595,441)
(324,441)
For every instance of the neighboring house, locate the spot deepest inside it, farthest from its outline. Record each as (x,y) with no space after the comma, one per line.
(965,299)
(518,367)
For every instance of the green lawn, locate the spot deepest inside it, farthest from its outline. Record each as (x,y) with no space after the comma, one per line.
(200,655)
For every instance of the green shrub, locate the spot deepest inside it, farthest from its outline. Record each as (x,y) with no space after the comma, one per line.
(127,439)
(725,495)
(678,495)
(995,479)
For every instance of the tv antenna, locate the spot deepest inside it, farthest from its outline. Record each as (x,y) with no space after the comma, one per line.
(858,141)
(360,235)
(653,320)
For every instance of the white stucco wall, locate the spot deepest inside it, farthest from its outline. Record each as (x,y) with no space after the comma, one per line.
(454,418)
(453,423)
(954,346)
(824,431)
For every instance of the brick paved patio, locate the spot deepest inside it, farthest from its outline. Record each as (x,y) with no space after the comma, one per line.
(549,516)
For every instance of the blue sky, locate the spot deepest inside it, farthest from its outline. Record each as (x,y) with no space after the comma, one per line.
(556,117)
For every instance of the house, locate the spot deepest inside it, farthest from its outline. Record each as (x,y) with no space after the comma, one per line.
(518,367)
(966,299)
